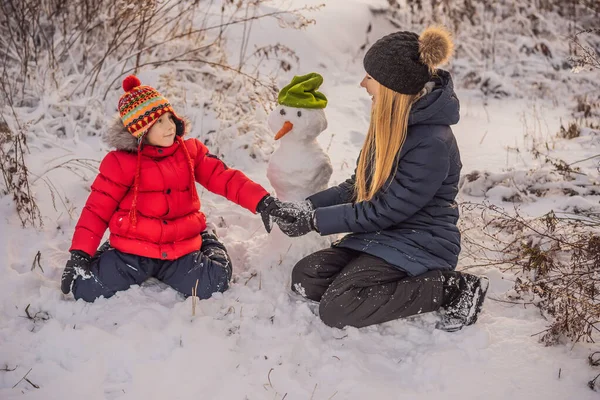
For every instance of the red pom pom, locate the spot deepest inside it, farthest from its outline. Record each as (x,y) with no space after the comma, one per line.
(131,82)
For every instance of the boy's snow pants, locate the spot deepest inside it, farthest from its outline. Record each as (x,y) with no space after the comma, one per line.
(113,271)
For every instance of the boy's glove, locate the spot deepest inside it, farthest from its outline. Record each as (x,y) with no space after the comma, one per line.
(296,219)
(78,265)
(266,207)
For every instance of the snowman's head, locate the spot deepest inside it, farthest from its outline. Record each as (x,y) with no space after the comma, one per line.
(297,124)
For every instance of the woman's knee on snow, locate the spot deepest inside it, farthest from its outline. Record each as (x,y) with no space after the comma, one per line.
(333,313)
(303,279)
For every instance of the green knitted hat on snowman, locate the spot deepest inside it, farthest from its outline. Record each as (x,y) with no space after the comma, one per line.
(302,92)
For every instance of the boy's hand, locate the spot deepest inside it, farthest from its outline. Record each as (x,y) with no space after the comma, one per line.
(78,265)
(266,207)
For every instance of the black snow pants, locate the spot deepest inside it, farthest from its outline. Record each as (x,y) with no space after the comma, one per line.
(358,289)
(113,271)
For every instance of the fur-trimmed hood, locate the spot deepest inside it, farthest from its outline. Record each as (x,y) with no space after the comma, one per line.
(118,136)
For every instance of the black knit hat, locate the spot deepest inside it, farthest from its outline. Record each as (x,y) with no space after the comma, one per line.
(402,61)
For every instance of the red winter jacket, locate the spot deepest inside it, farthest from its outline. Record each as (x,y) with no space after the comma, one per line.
(169,220)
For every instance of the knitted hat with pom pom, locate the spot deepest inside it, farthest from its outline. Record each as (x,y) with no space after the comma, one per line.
(404,61)
(140,106)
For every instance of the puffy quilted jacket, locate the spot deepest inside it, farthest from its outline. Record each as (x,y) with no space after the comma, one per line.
(169,220)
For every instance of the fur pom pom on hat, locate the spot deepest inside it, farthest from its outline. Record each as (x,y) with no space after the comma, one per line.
(435,46)
(404,61)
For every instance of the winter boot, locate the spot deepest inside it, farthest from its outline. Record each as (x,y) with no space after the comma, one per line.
(463,299)
(215,251)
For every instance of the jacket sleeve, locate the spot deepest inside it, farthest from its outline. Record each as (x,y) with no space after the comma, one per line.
(108,189)
(213,174)
(340,194)
(421,172)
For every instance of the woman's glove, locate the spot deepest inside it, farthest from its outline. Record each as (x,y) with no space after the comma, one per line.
(78,265)
(296,218)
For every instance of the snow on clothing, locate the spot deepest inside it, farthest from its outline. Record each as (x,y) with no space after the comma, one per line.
(169,240)
(358,289)
(169,220)
(411,221)
(113,270)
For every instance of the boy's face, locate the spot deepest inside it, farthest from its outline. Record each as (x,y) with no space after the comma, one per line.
(162,133)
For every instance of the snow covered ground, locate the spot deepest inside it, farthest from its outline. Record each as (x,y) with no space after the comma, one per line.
(257,340)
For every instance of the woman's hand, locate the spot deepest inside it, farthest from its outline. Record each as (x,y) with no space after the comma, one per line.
(295,218)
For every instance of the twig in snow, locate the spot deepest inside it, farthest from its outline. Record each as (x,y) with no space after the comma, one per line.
(286,253)
(6,369)
(24,377)
(313,393)
(230,310)
(269,377)
(36,261)
(524,303)
(194,298)
(31,383)
(559,371)
(332,396)
(252,275)
(483,137)
(330,141)
(594,362)
(539,333)
(592,383)
(585,159)
(38,316)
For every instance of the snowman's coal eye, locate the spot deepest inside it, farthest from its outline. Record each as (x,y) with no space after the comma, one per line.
(282,111)
(299,113)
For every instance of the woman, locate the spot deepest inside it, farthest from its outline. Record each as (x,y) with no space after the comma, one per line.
(399,206)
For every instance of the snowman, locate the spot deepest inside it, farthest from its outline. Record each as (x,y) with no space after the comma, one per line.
(299,167)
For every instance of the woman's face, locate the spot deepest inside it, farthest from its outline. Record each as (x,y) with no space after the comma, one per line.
(371,85)
(163,131)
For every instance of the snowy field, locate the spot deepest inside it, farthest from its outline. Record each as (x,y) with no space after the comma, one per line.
(257,340)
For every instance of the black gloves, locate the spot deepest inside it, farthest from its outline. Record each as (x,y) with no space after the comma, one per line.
(296,218)
(215,251)
(266,208)
(78,265)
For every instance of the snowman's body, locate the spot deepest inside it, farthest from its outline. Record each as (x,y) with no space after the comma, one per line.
(298,171)
(299,167)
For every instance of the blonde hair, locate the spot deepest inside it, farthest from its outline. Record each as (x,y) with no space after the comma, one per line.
(386,136)
(389,119)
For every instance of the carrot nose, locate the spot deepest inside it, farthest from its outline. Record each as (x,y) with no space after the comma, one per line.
(287,126)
